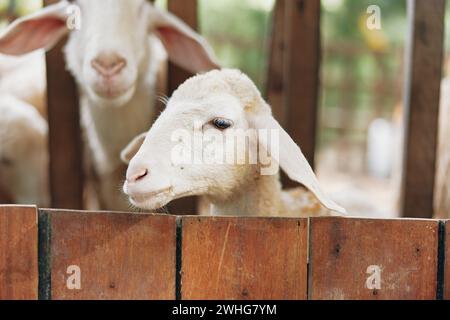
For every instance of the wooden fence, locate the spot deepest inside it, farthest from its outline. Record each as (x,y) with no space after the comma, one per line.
(54,254)
(294,64)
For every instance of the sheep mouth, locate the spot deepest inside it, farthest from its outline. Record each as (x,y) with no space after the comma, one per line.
(142,199)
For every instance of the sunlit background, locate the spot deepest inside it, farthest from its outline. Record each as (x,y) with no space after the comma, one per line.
(361,85)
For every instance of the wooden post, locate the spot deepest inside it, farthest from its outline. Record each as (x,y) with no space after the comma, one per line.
(109,256)
(244,258)
(65,147)
(275,79)
(18,253)
(293,86)
(301,72)
(353,259)
(187,11)
(422,93)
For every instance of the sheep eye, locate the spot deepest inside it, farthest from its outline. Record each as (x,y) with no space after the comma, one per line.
(222,124)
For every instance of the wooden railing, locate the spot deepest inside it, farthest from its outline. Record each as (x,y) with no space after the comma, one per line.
(54,254)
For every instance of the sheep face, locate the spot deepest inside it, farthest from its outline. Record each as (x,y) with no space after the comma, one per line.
(107,52)
(187,152)
(109,47)
(23,153)
(214,106)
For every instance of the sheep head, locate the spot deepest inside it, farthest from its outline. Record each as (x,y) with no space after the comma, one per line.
(108,49)
(216,135)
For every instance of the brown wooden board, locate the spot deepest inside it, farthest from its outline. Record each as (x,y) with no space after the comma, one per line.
(301,72)
(119,256)
(447,261)
(348,255)
(18,253)
(64,132)
(422,93)
(187,11)
(243,258)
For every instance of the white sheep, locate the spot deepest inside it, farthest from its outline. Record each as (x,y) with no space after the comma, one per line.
(115,57)
(221,103)
(29,71)
(23,153)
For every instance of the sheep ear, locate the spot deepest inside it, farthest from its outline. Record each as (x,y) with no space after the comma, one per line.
(130,151)
(185,47)
(292,161)
(41,30)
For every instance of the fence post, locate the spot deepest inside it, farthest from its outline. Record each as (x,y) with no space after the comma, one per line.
(187,11)
(301,73)
(65,147)
(275,78)
(422,92)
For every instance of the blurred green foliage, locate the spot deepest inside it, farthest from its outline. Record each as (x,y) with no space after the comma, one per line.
(238,30)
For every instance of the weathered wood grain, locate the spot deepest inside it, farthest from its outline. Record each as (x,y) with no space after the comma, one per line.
(65,145)
(243,258)
(422,92)
(120,256)
(343,251)
(18,253)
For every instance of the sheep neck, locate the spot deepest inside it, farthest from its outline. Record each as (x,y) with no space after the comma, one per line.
(110,129)
(261,197)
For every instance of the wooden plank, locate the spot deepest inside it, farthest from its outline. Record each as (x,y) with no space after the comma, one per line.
(243,258)
(446,293)
(18,253)
(275,78)
(422,92)
(119,256)
(301,72)
(65,145)
(187,11)
(347,255)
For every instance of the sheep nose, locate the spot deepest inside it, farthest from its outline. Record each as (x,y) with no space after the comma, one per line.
(137,176)
(108,64)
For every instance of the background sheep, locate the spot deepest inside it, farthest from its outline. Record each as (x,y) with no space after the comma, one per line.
(23,153)
(220,101)
(116,67)
(29,71)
